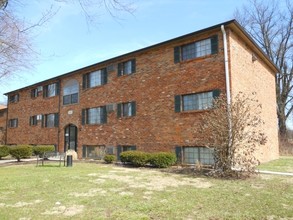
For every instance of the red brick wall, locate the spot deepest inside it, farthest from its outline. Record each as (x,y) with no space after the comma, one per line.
(156,126)
(3,116)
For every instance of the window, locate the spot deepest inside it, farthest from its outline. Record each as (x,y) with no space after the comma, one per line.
(13,123)
(70,92)
(14,98)
(196,49)
(33,120)
(51,90)
(94,115)
(93,151)
(96,78)
(196,101)
(123,148)
(34,93)
(51,120)
(127,109)
(192,155)
(127,67)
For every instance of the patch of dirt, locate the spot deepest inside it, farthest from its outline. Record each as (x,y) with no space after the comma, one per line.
(152,180)
(90,193)
(66,211)
(20,204)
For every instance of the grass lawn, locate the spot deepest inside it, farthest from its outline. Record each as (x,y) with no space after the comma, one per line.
(284,164)
(97,191)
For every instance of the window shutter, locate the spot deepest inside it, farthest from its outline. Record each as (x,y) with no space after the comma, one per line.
(83,116)
(119,150)
(119,110)
(120,68)
(16,122)
(45,91)
(177,103)
(104,115)
(176,54)
(104,76)
(216,93)
(56,120)
(214,44)
(133,108)
(30,122)
(133,66)
(43,119)
(57,88)
(32,93)
(178,152)
(46,121)
(84,79)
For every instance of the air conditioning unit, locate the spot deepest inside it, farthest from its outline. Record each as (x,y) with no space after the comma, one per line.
(111,107)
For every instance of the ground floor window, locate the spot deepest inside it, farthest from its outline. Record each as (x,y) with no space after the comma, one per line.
(93,151)
(192,155)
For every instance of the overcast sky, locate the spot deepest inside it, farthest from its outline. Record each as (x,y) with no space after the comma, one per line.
(67,43)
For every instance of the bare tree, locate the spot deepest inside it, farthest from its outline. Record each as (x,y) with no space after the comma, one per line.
(271,26)
(234,145)
(16,34)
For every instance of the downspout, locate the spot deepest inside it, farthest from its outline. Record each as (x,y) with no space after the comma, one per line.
(227,75)
(228,94)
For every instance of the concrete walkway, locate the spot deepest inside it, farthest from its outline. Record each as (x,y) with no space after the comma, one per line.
(274,173)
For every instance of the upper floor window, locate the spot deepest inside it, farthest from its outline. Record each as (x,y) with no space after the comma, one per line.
(127,109)
(13,123)
(51,90)
(196,101)
(96,78)
(70,92)
(127,67)
(35,91)
(51,120)
(13,98)
(96,115)
(196,49)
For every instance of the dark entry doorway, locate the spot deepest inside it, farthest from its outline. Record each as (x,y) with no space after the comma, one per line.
(70,138)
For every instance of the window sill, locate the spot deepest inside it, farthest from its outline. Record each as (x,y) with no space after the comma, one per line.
(197,59)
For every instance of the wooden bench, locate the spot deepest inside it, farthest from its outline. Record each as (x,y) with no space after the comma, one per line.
(51,156)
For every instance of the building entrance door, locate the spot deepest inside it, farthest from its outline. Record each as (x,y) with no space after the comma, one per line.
(70,138)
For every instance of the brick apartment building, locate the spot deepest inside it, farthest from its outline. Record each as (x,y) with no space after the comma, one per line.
(148,100)
(3,118)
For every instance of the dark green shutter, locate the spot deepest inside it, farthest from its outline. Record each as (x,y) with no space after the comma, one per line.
(104,115)
(104,76)
(45,90)
(176,54)
(43,119)
(84,80)
(133,66)
(216,93)
(120,68)
(32,93)
(178,152)
(83,116)
(119,110)
(119,150)
(57,88)
(214,44)
(56,120)
(177,103)
(133,108)
(30,122)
